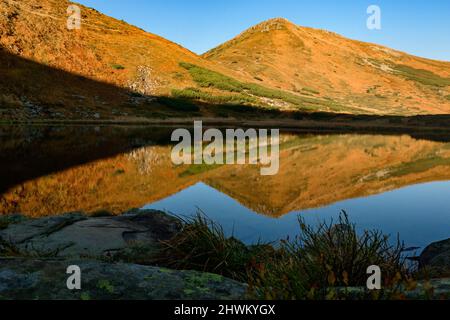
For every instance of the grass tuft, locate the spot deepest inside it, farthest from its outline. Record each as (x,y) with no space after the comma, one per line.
(202,245)
(331,255)
(319,262)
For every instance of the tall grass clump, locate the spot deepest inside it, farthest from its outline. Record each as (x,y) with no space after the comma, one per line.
(320,263)
(326,258)
(203,246)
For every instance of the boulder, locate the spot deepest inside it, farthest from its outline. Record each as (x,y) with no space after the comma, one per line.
(436,257)
(46,279)
(75,235)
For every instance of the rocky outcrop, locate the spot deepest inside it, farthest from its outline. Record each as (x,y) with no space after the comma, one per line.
(436,258)
(26,279)
(35,255)
(75,235)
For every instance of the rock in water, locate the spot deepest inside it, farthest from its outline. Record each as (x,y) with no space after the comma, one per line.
(46,279)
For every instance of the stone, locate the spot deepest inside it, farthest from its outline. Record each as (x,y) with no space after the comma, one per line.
(75,235)
(437,258)
(45,279)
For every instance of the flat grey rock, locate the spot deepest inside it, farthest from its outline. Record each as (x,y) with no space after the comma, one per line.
(75,235)
(41,279)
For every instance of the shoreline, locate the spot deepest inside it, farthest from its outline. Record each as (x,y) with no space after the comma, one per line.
(359,126)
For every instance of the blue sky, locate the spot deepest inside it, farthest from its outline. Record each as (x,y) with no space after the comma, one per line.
(418,27)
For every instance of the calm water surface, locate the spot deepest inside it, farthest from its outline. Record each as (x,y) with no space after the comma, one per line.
(397,184)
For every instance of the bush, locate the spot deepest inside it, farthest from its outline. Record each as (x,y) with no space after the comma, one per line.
(118,67)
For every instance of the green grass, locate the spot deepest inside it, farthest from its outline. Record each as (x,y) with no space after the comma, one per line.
(424,77)
(447,97)
(310,90)
(210,79)
(197,94)
(420,165)
(118,67)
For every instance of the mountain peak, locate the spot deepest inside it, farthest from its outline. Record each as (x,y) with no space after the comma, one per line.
(273,24)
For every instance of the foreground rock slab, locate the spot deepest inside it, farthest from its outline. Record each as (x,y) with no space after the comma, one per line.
(26,279)
(76,235)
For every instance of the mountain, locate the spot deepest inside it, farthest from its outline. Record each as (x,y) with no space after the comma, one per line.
(110,70)
(362,77)
(49,70)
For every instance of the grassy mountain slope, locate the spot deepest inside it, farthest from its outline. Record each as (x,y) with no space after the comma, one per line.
(111,70)
(52,70)
(316,63)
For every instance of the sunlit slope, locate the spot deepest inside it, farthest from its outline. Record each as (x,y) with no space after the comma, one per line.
(316,63)
(35,45)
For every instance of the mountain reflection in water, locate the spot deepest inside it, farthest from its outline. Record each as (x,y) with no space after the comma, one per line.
(52,170)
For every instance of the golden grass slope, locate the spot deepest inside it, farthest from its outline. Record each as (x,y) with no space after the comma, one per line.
(104,50)
(372,78)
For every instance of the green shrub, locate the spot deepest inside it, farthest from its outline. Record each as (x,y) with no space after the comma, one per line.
(422,76)
(117,67)
(196,94)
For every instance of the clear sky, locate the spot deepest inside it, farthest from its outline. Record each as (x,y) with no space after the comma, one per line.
(419,27)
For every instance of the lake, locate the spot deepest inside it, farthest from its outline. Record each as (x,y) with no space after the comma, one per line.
(399,184)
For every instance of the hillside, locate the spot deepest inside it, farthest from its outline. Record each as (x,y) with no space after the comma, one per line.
(108,68)
(362,77)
